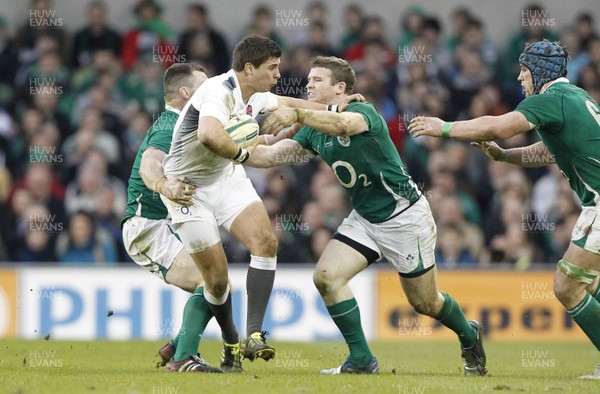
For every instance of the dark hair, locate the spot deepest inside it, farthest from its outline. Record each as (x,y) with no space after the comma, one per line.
(177,76)
(432,23)
(341,71)
(533,7)
(476,23)
(585,17)
(137,9)
(254,50)
(96,4)
(354,8)
(85,213)
(199,8)
(263,10)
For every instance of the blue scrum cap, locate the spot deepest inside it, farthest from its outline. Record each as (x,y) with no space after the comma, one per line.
(546,60)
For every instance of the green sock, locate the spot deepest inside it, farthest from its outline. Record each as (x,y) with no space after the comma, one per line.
(176,340)
(453,317)
(587,315)
(346,317)
(596,294)
(196,315)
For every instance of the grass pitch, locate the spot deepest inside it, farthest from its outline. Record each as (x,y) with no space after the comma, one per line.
(63,367)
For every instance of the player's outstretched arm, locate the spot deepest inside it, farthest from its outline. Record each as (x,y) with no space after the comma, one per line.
(332,123)
(268,139)
(535,155)
(283,152)
(484,128)
(300,103)
(151,172)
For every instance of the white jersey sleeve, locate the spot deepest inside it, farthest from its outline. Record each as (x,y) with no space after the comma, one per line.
(271,100)
(213,102)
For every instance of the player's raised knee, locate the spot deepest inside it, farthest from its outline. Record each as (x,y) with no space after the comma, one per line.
(264,244)
(324,281)
(271,243)
(570,282)
(562,288)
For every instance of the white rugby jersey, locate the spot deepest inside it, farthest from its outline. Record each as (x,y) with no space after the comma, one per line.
(220,97)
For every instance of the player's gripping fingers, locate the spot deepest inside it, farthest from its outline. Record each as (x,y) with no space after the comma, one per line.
(280,118)
(178,190)
(293,130)
(357,97)
(490,148)
(349,99)
(271,126)
(188,188)
(269,123)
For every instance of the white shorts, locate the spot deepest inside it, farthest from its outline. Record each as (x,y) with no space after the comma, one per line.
(407,241)
(151,243)
(216,205)
(586,233)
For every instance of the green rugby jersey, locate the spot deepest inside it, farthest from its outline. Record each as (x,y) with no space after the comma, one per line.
(142,201)
(367,165)
(568,121)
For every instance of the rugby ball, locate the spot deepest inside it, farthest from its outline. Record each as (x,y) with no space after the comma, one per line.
(243,129)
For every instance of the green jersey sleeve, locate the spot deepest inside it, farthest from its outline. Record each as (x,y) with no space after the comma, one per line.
(303,137)
(160,136)
(369,114)
(540,110)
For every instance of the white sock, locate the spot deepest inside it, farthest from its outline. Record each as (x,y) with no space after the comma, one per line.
(263,263)
(216,300)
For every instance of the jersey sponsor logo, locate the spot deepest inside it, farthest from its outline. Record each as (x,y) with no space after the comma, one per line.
(350,178)
(344,141)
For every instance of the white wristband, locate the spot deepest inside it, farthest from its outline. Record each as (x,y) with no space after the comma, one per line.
(241,156)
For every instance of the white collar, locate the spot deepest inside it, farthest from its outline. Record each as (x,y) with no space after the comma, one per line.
(172,109)
(557,80)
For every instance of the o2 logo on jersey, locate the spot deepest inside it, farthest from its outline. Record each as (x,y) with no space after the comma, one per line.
(185,210)
(344,141)
(350,176)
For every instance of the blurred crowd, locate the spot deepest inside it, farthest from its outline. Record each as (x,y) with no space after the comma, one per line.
(75,106)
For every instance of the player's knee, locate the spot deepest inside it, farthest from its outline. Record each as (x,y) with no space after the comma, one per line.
(270,244)
(216,282)
(323,281)
(218,287)
(264,244)
(563,288)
